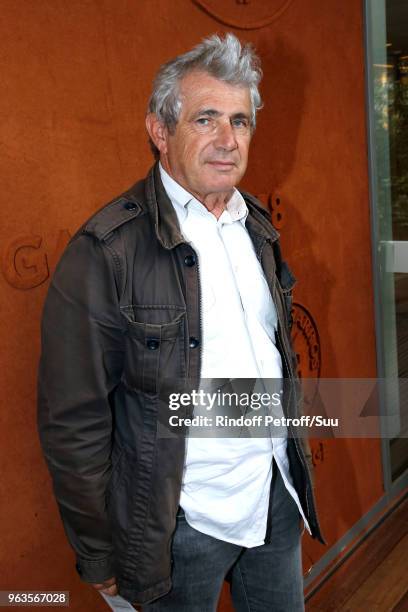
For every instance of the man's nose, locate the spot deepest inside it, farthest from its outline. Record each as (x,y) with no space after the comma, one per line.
(226,138)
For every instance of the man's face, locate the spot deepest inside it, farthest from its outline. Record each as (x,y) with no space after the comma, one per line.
(208,151)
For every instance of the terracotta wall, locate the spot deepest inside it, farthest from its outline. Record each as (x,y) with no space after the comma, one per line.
(75,77)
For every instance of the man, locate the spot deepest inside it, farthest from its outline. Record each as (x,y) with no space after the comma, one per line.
(180,277)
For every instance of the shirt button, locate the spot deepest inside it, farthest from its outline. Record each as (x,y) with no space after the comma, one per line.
(193,342)
(152,344)
(189,260)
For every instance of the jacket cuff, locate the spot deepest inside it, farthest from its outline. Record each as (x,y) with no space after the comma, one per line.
(96,571)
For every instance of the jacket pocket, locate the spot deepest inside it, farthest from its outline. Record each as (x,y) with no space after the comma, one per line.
(154,350)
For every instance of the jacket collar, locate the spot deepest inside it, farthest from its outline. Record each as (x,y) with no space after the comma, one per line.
(165,220)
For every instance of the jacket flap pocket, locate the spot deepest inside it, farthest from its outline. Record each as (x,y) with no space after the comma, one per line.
(163,331)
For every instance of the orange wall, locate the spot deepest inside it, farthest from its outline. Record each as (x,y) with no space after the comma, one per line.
(75,79)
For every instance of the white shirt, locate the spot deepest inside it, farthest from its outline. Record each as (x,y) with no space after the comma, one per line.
(226,481)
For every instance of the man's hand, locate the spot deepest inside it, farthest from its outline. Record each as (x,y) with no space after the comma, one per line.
(107,586)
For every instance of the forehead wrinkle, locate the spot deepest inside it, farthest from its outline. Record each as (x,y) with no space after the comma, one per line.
(210,95)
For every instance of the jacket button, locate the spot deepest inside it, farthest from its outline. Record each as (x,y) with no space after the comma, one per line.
(152,344)
(193,342)
(189,260)
(130,206)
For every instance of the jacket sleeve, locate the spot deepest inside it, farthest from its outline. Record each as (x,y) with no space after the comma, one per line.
(80,365)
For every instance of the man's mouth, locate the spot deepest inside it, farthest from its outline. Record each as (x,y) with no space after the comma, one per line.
(226,165)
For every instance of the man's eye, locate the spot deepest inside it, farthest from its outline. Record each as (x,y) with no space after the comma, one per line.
(203,121)
(240,123)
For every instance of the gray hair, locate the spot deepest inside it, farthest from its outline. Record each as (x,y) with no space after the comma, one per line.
(225,59)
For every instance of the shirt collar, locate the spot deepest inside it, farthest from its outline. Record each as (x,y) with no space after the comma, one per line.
(236,209)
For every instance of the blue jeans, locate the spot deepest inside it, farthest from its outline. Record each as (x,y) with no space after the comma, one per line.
(267,578)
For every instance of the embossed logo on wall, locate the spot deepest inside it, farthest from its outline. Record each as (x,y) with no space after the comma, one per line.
(244,14)
(27,263)
(318,452)
(306,342)
(307,347)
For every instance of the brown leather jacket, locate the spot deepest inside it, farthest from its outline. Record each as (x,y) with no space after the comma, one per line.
(122,313)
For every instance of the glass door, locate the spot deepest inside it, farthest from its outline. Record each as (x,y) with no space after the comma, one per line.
(397,79)
(387,72)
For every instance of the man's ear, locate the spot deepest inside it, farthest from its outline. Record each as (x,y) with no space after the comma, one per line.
(157,132)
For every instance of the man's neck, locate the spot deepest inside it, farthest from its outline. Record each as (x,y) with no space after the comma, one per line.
(215,203)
